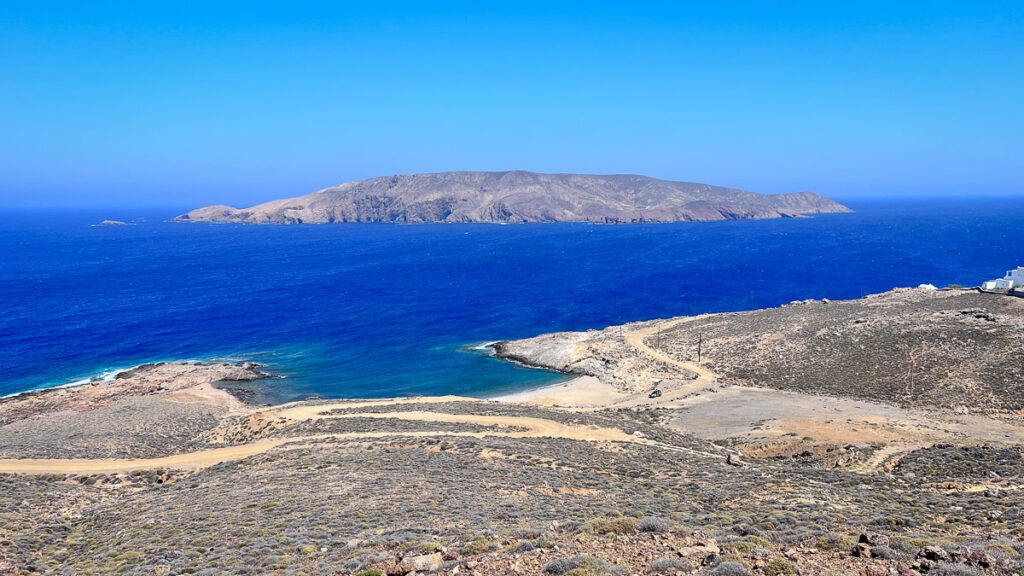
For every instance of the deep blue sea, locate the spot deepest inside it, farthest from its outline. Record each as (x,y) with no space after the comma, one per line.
(377,310)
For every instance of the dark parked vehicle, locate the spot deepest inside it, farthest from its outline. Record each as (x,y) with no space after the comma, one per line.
(655,394)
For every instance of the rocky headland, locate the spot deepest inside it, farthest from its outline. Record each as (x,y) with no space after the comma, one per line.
(960,350)
(148,410)
(518,196)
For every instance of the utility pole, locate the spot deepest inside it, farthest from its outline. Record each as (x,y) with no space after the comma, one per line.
(700,342)
(659,337)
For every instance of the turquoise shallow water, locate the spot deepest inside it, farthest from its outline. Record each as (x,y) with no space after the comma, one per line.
(376,310)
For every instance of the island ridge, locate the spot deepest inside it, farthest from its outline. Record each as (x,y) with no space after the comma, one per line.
(518,196)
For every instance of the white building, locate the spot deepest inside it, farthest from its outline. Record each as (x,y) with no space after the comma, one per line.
(1012,279)
(1017,276)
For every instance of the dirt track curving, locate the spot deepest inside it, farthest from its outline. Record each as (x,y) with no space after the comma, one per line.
(523,427)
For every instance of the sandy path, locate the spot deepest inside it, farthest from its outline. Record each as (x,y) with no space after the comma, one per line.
(535,428)
(589,393)
(187,461)
(637,340)
(985,486)
(532,428)
(888,455)
(299,411)
(209,395)
(676,391)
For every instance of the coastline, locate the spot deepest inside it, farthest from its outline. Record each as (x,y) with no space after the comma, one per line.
(580,392)
(109,375)
(576,390)
(320,359)
(573,443)
(559,354)
(106,375)
(189,382)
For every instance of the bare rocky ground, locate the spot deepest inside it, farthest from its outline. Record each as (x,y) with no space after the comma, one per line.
(130,428)
(462,486)
(889,372)
(151,410)
(519,196)
(496,505)
(959,350)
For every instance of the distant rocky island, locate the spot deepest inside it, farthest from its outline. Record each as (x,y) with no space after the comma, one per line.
(518,196)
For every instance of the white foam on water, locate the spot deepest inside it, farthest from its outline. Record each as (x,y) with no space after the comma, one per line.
(104,376)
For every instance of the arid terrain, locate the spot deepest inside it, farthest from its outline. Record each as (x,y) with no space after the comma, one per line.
(519,196)
(877,436)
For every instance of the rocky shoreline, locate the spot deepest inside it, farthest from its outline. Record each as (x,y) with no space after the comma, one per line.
(178,378)
(964,349)
(508,351)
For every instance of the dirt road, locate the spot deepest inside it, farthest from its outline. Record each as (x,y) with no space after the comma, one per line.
(521,427)
(637,340)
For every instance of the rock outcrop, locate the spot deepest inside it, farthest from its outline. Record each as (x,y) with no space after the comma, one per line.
(518,196)
(960,350)
(190,380)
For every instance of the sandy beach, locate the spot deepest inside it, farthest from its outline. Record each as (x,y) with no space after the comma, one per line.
(581,392)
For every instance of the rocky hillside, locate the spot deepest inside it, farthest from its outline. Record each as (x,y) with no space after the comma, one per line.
(461,487)
(160,472)
(519,196)
(955,349)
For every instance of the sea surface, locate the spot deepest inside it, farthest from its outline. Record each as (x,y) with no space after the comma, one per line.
(365,310)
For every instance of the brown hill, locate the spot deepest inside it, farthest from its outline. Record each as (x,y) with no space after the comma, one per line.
(519,196)
(953,349)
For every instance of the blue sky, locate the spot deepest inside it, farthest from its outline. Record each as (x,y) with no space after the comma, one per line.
(185,103)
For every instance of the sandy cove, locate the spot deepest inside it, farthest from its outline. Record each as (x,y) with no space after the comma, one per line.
(580,392)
